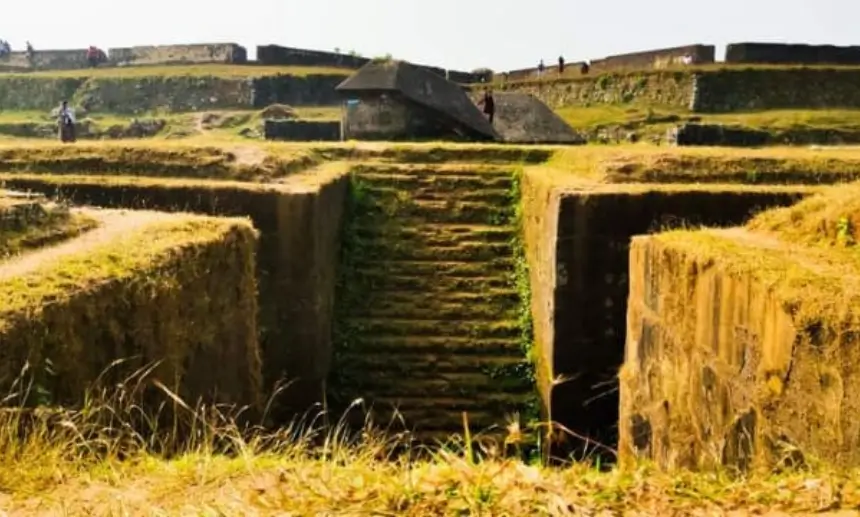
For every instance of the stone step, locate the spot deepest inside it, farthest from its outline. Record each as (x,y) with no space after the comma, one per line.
(439,424)
(432,170)
(415,212)
(376,280)
(409,363)
(497,267)
(437,419)
(502,297)
(437,182)
(385,383)
(493,401)
(490,195)
(460,346)
(435,234)
(464,252)
(477,305)
(434,310)
(391,327)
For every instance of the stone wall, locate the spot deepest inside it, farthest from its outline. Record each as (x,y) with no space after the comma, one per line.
(302,130)
(166,93)
(393,118)
(588,284)
(651,59)
(665,88)
(750,89)
(36,93)
(76,59)
(309,90)
(705,91)
(46,60)
(662,58)
(540,206)
(741,353)
(739,136)
(289,56)
(792,54)
(526,74)
(178,54)
(170,93)
(299,224)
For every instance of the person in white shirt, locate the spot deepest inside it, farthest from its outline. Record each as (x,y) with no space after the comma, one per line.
(66,119)
(687,59)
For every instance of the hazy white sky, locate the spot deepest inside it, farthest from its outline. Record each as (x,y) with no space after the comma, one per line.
(459,34)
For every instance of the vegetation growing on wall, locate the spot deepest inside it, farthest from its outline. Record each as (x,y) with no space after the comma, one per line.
(433,299)
(31,225)
(175,289)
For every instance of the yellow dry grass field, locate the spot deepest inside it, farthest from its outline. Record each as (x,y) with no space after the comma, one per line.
(663,166)
(830,219)
(56,470)
(610,163)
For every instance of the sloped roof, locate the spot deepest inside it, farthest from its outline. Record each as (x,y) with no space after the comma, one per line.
(422,87)
(523,119)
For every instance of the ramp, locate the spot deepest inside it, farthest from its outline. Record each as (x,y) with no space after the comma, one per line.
(523,119)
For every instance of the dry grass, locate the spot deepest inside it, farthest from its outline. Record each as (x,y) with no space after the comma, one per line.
(185,70)
(829,219)
(134,252)
(216,155)
(650,164)
(99,461)
(56,228)
(195,158)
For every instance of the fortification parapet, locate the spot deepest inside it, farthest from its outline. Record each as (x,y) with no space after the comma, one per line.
(792,54)
(45,60)
(179,54)
(289,56)
(657,59)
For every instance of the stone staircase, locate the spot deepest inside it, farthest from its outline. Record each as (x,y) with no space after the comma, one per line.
(428,312)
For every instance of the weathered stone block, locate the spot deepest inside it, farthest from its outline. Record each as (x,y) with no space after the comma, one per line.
(740,352)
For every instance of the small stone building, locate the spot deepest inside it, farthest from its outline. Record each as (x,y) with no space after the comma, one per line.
(396,100)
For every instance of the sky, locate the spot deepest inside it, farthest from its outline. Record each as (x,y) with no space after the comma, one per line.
(455,34)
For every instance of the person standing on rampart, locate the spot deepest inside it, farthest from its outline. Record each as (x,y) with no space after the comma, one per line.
(541,68)
(66,120)
(560,65)
(584,68)
(95,56)
(489,105)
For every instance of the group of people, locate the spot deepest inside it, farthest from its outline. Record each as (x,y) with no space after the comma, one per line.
(583,68)
(95,55)
(6,49)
